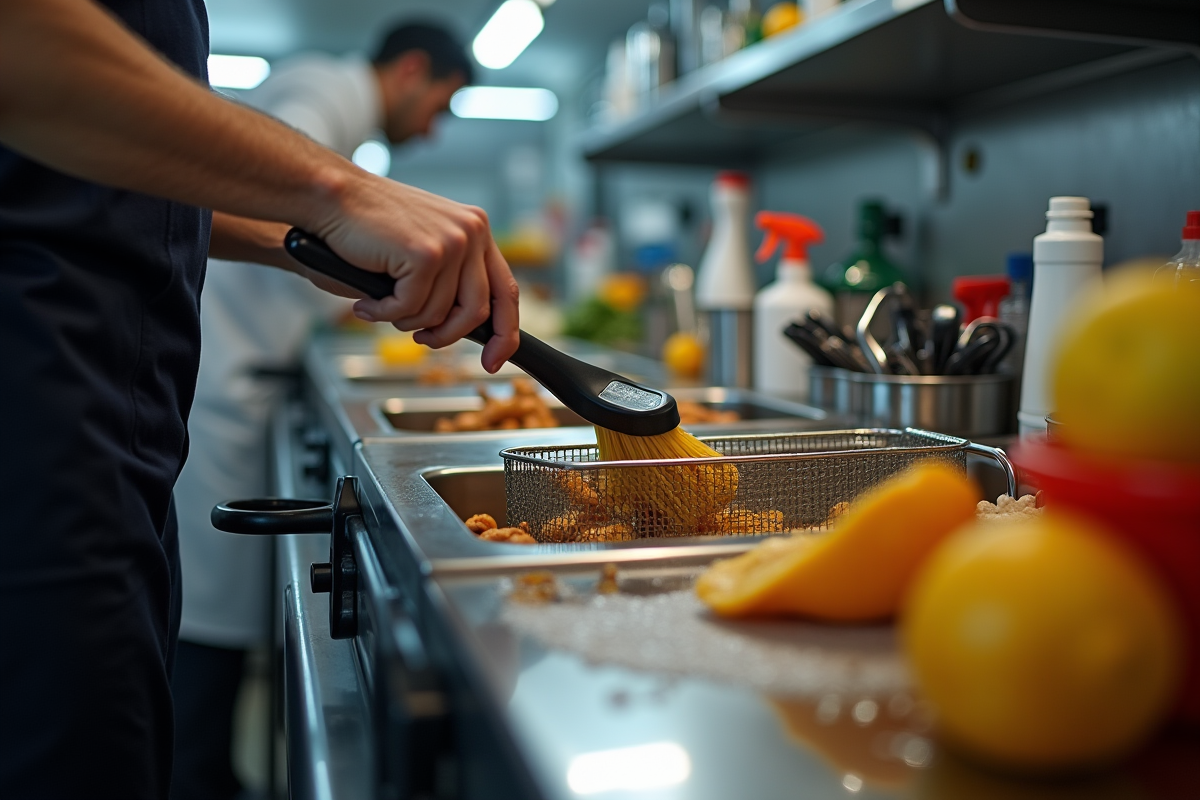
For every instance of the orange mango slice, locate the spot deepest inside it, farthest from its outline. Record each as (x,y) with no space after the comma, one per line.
(858,571)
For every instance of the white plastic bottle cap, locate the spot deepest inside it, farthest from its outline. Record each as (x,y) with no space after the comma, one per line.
(1069,208)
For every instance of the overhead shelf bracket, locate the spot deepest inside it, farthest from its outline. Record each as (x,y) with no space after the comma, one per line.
(1153,22)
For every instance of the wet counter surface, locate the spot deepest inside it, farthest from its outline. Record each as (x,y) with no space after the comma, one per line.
(587,728)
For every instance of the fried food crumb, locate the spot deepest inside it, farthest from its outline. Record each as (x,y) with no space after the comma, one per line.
(508,535)
(535,588)
(1007,508)
(838,510)
(739,519)
(611,532)
(479,523)
(608,580)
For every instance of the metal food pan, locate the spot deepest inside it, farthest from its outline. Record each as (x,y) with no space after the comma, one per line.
(417,415)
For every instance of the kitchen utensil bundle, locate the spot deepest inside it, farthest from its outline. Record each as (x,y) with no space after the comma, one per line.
(937,344)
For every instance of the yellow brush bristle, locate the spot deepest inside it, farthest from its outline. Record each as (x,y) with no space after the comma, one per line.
(684,494)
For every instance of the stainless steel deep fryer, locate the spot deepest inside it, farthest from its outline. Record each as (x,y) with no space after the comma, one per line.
(761,484)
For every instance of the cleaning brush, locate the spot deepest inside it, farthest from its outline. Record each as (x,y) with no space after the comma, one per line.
(680,494)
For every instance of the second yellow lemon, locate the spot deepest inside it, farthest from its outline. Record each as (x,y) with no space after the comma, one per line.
(1042,644)
(1127,382)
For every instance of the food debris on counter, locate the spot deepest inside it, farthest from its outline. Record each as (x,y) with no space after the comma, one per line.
(1009,508)
(535,588)
(608,580)
(671,633)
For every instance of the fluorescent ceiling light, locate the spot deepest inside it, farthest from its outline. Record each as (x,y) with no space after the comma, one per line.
(237,72)
(630,769)
(515,24)
(504,102)
(373,156)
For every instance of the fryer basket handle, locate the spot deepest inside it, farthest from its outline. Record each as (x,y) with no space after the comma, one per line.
(1001,458)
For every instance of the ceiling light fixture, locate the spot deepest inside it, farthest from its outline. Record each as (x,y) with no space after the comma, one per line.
(515,24)
(237,72)
(373,156)
(504,102)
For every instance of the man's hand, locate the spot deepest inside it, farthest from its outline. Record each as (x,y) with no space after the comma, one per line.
(449,273)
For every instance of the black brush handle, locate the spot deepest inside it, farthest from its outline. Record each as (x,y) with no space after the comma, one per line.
(315,254)
(588,390)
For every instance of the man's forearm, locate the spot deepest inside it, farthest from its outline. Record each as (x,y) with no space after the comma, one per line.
(82,94)
(241,239)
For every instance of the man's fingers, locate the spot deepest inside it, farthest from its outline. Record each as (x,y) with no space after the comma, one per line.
(440,301)
(506,318)
(471,307)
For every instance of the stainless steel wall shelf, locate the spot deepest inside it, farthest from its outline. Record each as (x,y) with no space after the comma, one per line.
(908,63)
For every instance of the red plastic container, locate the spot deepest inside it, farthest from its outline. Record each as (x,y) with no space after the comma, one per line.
(1153,505)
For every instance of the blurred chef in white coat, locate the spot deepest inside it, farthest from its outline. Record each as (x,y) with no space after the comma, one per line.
(252,318)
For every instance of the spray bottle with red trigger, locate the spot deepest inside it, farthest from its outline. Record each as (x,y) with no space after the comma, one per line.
(780,367)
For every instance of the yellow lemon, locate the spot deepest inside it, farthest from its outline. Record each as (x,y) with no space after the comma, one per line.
(684,355)
(1127,381)
(1042,644)
(780,17)
(400,350)
(859,570)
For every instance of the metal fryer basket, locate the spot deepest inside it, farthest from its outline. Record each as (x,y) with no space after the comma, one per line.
(761,484)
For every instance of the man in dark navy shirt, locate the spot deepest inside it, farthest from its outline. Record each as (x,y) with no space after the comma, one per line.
(111,150)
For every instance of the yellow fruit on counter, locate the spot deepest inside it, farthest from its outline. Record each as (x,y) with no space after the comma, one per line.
(1042,644)
(684,355)
(859,570)
(399,350)
(780,17)
(1127,381)
(623,291)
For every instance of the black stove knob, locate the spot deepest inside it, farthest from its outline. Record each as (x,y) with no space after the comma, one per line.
(320,577)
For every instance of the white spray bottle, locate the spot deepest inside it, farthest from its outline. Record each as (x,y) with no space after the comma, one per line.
(779,366)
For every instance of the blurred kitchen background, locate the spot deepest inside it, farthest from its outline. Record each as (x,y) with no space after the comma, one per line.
(961,133)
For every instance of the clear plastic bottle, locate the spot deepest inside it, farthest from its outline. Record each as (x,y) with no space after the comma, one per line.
(1185,266)
(1014,309)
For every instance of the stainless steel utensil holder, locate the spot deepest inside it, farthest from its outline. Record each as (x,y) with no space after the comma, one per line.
(959,405)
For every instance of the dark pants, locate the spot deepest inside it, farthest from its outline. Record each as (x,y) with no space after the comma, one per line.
(205,686)
(85,699)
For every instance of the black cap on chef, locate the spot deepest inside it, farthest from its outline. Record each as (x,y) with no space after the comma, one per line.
(446,53)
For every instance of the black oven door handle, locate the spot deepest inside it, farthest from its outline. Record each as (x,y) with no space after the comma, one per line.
(269,516)
(339,576)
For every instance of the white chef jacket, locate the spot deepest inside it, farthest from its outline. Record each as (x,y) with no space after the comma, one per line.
(253,316)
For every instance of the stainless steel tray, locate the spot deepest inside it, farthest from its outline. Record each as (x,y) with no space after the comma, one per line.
(417,415)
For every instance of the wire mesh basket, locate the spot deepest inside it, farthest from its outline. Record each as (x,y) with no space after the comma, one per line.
(761,484)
